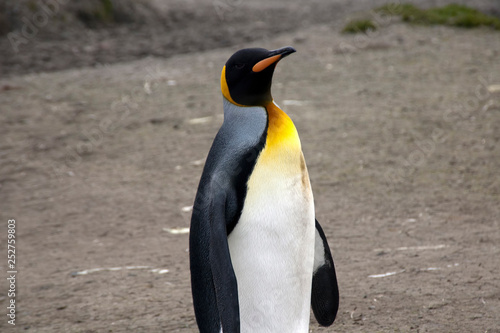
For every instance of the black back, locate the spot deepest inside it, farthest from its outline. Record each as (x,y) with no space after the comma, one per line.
(217,209)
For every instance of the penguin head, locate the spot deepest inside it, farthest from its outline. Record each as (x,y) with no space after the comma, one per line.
(246,78)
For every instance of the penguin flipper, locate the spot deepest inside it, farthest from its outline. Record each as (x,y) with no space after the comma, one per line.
(325,291)
(215,291)
(224,279)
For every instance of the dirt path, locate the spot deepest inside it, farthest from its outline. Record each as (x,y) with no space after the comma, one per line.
(401,134)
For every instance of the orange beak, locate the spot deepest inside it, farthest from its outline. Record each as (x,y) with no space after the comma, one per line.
(274,56)
(263,64)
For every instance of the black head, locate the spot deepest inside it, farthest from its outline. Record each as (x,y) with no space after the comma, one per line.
(247,76)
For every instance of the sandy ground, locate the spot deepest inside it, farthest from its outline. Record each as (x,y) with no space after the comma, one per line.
(400,130)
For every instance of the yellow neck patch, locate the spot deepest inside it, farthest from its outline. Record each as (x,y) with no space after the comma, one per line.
(281,128)
(282,152)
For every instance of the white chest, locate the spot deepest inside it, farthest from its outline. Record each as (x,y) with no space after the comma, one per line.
(272,248)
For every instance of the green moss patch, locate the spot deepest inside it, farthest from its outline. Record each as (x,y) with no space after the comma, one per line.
(451,15)
(356,26)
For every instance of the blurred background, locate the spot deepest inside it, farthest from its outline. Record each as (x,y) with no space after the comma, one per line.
(64,34)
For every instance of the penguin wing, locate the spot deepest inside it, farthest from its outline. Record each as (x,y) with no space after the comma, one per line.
(213,281)
(224,279)
(325,291)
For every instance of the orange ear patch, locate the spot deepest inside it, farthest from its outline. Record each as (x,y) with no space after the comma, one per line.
(225,88)
(263,64)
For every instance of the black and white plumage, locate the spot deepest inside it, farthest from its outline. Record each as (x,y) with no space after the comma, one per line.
(258,257)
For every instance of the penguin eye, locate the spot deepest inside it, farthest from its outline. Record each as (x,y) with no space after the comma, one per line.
(238,66)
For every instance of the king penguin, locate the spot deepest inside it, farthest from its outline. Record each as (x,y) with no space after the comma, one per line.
(259,259)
